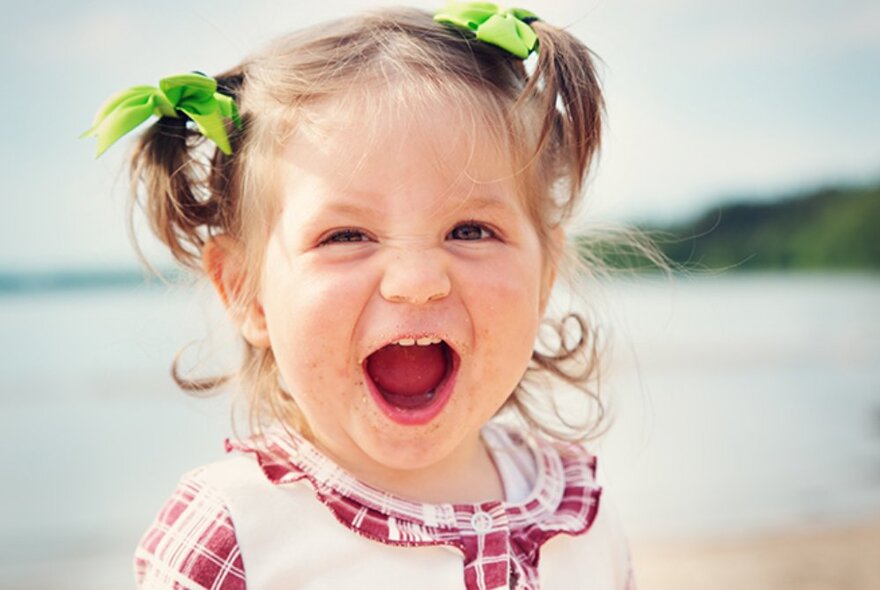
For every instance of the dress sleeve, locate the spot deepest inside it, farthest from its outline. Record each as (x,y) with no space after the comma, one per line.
(617,538)
(191,544)
(625,557)
(619,546)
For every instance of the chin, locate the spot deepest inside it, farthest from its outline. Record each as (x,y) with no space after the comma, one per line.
(410,451)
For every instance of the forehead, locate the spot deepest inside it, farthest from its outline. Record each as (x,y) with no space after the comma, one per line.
(379,141)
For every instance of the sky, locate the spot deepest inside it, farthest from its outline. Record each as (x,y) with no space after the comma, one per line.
(707,101)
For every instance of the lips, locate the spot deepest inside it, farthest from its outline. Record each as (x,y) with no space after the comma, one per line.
(411,383)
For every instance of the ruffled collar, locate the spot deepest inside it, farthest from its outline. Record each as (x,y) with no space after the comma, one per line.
(564,499)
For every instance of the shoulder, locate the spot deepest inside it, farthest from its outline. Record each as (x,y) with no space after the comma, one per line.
(609,526)
(192,541)
(603,546)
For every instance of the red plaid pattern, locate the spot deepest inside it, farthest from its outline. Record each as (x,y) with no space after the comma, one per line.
(192,544)
(500,542)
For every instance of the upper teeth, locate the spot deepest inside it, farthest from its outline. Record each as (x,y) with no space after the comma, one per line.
(427,341)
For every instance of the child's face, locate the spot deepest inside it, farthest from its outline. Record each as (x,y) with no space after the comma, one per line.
(406,233)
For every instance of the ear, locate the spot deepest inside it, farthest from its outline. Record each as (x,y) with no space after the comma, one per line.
(554,252)
(223,262)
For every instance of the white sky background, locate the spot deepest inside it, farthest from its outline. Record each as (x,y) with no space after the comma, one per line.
(706,100)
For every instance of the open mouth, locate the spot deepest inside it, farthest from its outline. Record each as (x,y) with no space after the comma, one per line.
(411,382)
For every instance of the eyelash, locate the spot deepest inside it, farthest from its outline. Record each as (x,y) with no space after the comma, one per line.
(349,232)
(331,239)
(474,223)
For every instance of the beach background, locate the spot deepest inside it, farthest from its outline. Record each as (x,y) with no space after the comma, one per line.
(745,449)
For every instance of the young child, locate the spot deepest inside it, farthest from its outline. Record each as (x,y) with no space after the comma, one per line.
(380,202)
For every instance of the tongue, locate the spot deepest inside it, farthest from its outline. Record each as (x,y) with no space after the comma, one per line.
(407,370)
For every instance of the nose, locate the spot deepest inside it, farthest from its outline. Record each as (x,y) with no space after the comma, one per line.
(415,276)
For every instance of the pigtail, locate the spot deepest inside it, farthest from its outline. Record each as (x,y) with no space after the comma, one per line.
(568,92)
(164,179)
(562,99)
(225,176)
(186,193)
(182,189)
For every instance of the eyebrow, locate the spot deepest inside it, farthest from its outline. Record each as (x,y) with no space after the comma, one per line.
(478,202)
(490,201)
(351,207)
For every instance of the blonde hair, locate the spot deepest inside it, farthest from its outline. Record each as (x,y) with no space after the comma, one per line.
(547,114)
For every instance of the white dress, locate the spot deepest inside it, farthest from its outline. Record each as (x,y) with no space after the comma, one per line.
(300,521)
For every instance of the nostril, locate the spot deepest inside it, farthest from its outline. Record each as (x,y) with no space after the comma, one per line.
(417,278)
(415,296)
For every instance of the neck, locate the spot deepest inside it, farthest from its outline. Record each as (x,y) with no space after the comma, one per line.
(467,476)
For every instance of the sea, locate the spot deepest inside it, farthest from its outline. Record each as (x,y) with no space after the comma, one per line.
(739,403)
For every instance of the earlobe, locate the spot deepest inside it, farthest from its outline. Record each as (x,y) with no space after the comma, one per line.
(253,326)
(223,263)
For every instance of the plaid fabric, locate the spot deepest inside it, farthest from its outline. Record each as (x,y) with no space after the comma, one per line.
(500,542)
(191,544)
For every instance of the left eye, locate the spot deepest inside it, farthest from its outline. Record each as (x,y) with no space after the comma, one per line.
(345,236)
(471,232)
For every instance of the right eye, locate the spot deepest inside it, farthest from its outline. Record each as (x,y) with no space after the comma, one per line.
(345,236)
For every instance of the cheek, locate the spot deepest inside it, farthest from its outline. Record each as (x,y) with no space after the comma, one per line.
(509,282)
(310,317)
(503,302)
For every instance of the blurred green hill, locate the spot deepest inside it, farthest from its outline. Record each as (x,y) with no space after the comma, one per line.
(831,228)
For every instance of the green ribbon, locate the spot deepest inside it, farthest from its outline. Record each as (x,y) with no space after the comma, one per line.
(195,95)
(507,29)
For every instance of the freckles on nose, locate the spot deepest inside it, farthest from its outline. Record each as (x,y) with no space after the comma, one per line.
(415,275)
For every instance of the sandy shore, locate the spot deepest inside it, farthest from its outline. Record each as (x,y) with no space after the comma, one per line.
(839,558)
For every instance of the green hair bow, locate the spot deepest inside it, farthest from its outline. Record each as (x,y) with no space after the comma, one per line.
(195,95)
(507,29)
